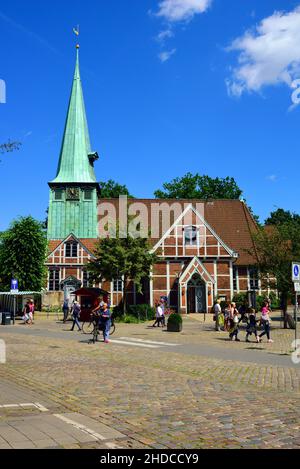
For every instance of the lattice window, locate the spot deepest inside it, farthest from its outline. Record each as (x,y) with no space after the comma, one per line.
(54,280)
(190,236)
(118,285)
(71,249)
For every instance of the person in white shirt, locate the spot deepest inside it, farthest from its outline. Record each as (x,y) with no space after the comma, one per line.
(159,315)
(217,313)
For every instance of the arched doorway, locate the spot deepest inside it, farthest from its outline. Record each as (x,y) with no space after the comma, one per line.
(196,295)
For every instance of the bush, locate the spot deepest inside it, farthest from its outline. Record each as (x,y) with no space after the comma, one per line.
(127,319)
(175,318)
(275,302)
(239,299)
(140,313)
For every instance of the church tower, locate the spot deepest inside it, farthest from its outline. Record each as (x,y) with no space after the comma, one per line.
(74,192)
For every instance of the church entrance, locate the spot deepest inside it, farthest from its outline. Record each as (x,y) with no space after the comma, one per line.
(69,286)
(196,295)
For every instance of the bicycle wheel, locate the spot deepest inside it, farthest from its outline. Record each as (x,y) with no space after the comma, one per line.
(95,334)
(88,327)
(112,329)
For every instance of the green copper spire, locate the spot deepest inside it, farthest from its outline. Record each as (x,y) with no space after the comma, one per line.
(76,162)
(74,191)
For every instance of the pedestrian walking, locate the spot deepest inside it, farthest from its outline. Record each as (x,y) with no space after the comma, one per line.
(105,322)
(252,325)
(30,312)
(26,311)
(159,315)
(227,312)
(217,315)
(66,310)
(163,307)
(234,323)
(243,310)
(76,310)
(265,322)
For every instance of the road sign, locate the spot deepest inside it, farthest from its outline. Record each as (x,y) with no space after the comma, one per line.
(296,272)
(297,287)
(14,288)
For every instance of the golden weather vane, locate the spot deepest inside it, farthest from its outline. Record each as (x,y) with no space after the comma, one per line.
(77,32)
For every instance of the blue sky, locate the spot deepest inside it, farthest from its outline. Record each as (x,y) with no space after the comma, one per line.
(170,86)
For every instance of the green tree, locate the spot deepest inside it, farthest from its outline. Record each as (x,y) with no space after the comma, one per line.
(9,147)
(23,249)
(200,187)
(127,258)
(281,217)
(112,190)
(276,247)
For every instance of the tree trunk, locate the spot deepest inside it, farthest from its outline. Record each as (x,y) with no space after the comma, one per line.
(124,296)
(284,310)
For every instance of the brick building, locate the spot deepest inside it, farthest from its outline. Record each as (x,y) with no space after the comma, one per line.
(203,249)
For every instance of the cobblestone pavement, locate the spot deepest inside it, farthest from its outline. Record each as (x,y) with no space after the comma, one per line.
(147,389)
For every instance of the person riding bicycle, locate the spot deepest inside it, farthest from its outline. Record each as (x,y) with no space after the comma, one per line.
(102,314)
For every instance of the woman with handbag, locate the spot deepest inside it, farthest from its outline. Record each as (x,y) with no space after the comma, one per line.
(265,322)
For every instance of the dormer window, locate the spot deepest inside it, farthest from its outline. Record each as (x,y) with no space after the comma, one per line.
(71,248)
(190,236)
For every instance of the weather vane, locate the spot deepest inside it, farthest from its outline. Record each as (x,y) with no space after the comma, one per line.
(77,32)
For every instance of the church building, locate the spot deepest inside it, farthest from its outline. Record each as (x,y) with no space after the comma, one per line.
(204,252)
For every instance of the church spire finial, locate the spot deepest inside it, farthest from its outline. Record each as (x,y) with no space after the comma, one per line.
(77,32)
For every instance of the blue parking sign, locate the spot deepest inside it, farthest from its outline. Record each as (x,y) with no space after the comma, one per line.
(296,272)
(14,285)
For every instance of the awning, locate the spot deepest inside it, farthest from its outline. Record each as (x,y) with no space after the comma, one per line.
(21,293)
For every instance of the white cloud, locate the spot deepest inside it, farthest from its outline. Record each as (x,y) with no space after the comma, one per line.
(163,35)
(166,55)
(182,10)
(268,55)
(272,178)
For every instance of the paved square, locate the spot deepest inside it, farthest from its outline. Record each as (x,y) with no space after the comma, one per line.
(147,389)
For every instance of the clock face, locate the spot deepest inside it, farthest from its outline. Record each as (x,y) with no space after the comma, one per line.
(73,193)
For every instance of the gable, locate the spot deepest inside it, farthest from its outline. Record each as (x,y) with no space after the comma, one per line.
(84,252)
(195,267)
(204,243)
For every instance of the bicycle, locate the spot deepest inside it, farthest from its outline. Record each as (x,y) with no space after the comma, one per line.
(89,327)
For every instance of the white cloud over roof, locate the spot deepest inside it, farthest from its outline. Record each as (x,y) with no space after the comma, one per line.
(269,54)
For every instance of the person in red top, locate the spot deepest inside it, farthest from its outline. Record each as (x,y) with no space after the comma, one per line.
(31,312)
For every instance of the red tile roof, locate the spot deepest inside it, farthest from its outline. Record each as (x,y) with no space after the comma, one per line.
(230,219)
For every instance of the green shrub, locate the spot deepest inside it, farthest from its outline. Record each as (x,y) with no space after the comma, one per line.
(175,318)
(142,312)
(239,299)
(275,302)
(127,319)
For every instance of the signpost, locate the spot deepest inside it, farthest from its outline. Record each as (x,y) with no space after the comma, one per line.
(14,289)
(296,280)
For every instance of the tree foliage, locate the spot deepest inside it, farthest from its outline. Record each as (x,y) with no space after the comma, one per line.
(200,187)
(276,248)
(281,217)
(23,255)
(9,147)
(127,258)
(112,190)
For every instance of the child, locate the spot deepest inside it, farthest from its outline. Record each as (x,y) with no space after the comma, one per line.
(252,325)
(265,322)
(234,325)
